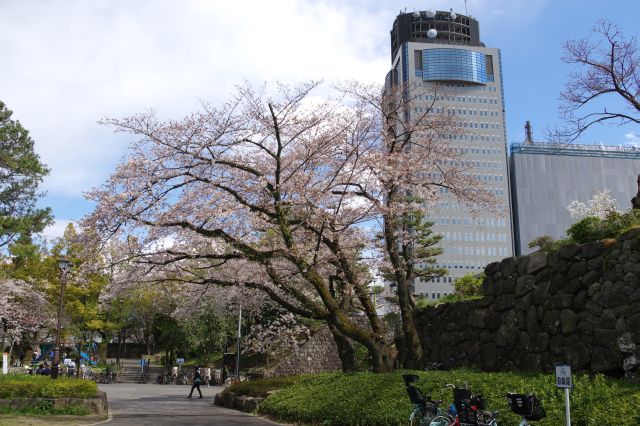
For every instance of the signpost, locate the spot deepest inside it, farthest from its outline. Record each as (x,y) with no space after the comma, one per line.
(180,361)
(5,363)
(564,380)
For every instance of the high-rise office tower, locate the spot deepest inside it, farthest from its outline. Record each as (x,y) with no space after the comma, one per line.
(439,55)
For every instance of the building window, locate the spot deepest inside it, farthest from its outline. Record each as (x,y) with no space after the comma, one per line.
(417,59)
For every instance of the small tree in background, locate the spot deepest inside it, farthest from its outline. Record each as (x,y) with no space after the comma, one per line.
(469,285)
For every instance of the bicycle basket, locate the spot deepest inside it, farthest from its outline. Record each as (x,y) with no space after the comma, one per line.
(526,405)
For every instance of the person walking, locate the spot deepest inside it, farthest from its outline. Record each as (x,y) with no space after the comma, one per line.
(197,380)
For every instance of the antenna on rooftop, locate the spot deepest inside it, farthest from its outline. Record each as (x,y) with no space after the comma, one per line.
(529,133)
(466,12)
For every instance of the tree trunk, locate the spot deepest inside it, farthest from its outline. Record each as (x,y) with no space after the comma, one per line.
(381,357)
(411,340)
(345,350)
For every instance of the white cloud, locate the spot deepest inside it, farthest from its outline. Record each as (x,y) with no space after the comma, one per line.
(67,64)
(56,230)
(633,139)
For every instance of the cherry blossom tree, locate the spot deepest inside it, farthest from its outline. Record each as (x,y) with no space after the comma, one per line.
(295,197)
(607,70)
(601,205)
(23,310)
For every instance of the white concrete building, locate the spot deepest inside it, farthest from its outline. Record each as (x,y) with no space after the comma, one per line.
(441,55)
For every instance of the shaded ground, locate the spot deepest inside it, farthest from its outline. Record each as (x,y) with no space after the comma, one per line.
(135,404)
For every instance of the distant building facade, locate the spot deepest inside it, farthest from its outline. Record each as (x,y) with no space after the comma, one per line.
(443,49)
(546,178)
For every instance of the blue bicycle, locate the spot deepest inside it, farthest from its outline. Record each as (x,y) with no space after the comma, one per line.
(426,411)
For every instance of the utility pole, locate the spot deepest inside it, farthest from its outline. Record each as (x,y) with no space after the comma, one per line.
(238,345)
(64,265)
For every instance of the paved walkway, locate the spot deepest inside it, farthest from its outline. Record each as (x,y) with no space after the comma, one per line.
(137,404)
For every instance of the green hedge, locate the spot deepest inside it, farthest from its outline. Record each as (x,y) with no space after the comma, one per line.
(261,387)
(26,386)
(381,399)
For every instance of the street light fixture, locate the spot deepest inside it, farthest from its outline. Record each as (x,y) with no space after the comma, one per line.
(64,265)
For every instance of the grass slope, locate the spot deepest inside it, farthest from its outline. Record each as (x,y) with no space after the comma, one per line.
(381,399)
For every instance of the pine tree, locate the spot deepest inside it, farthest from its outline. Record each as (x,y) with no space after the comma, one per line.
(20,173)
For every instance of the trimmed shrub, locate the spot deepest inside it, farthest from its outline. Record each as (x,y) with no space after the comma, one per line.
(259,388)
(381,399)
(13,386)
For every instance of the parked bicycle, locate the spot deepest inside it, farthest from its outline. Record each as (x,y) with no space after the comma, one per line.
(470,410)
(426,411)
(527,406)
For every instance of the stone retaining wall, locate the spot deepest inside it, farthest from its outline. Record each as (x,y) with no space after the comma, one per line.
(96,406)
(317,355)
(580,305)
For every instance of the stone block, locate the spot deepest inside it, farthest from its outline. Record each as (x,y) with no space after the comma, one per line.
(491,268)
(560,301)
(524,284)
(557,345)
(595,264)
(488,356)
(537,261)
(577,270)
(631,278)
(604,338)
(626,343)
(630,363)
(592,249)
(605,360)
(560,266)
(580,300)
(607,319)
(551,321)
(478,318)
(540,293)
(572,286)
(577,354)
(488,288)
(521,264)
(616,299)
(504,302)
(593,289)
(508,266)
(568,321)
(532,363)
(568,252)
(532,320)
(589,278)
(508,286)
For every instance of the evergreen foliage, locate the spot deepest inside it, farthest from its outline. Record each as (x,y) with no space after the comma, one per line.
(21,171)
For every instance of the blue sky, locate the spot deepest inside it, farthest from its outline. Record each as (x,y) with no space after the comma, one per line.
(66,64)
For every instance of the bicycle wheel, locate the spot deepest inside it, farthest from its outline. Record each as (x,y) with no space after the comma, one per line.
(441,420)
(418,418)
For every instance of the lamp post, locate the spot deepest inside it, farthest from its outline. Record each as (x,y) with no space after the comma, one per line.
(238,345)
(64,265)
